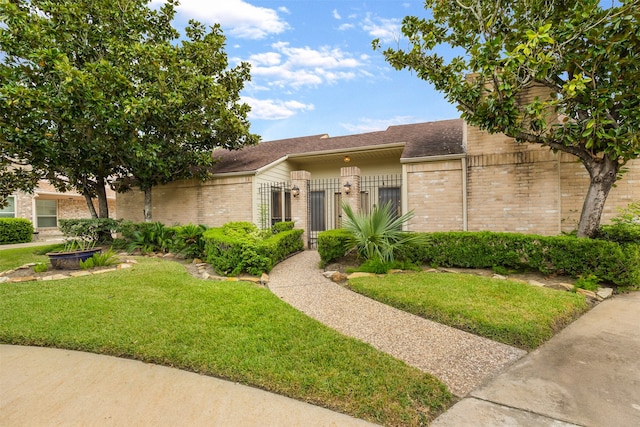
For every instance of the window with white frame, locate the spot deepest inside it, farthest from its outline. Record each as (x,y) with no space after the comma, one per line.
(47,213)
(9,211)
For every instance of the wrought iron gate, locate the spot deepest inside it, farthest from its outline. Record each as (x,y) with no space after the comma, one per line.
(324,211)
(275,203)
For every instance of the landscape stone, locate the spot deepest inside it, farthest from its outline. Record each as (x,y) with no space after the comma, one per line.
(604,293)
(22,279)
(535,283)
(264,278)
(586,293)
(499,276)
(55,277)
(205,275)
(79,273)
(3,279)
(107,270)
(329,273)
(197,261)
(359,274)
(124,265)
(338,277)
(560,286)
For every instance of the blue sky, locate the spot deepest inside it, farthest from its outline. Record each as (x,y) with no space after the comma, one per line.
(313,68)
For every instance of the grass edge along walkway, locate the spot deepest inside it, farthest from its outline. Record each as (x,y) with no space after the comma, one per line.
(506,311)
(157,313)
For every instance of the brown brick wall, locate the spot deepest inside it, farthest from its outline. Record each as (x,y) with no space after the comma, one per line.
(516,193)
(212,203)
(434,193)
(574,186)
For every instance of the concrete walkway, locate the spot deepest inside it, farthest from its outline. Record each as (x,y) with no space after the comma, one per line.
(49,387)
(459,359)
(587,375)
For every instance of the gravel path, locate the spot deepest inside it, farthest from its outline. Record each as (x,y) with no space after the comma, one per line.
(461,360)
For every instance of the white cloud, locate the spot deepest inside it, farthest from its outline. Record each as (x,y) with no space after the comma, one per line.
(237,17)
(364,125)
(296,67)
(336,15)
(344,27)
(383,28)
(275,109)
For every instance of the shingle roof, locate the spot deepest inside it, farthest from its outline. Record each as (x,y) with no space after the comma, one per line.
(420,139)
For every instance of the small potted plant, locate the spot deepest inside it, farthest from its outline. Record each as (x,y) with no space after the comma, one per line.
(80,244)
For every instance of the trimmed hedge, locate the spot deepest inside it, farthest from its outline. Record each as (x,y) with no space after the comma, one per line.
(279,227)
(609,261)
(622,233)
(239,247)
(15,230)
(332,244)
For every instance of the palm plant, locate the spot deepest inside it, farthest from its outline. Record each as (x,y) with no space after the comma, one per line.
(378,235)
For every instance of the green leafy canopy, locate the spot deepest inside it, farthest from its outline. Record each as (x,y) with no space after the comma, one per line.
(95,92)
(562,74)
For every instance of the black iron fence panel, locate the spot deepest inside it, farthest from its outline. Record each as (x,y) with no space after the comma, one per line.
(275,203)
(324,209)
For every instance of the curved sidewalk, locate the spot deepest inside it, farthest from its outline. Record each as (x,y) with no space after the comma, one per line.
(459,359)
(51,387)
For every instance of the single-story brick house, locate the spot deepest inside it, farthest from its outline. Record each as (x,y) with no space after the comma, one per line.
(453,176)
(47,205)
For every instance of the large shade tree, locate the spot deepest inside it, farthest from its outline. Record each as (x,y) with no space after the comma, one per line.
(98,92)
(584,53)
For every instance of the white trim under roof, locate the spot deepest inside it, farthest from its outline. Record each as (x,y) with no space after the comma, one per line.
(433,158)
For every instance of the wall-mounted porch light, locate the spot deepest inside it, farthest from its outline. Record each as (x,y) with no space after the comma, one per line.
(347,188)
(347,159)
(295,191)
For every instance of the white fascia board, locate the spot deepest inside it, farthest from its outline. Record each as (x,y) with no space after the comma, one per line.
(433,158)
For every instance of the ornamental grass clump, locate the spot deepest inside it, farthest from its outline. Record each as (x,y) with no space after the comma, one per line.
(378,235)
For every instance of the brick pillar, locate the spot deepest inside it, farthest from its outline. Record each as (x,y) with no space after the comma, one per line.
(300,203)
(350,182)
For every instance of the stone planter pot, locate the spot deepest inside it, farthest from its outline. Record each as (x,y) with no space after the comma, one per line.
(70,260)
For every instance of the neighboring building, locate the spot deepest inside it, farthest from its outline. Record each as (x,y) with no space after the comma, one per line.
(453,176)
(47,205)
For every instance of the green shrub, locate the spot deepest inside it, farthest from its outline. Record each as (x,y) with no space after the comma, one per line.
(188,240)
(378,234)
(620,232)
(279,227)
(240,247)
(150,237)
(333,244)
(609,261)
(15,230)
(87,232)
(40,267)
(99,259)
(588,282)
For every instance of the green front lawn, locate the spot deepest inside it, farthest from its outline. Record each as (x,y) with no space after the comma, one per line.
(158,313)
(513,313)
(12,258)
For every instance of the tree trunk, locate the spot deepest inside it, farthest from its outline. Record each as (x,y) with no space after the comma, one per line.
(92,209)
(603,175)
(147,205)
(103,206)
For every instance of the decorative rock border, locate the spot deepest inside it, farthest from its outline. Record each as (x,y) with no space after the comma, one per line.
(204,272)
(127,263)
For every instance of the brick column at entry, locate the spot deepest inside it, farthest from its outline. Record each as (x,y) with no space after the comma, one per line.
(299,203)
(350,181)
